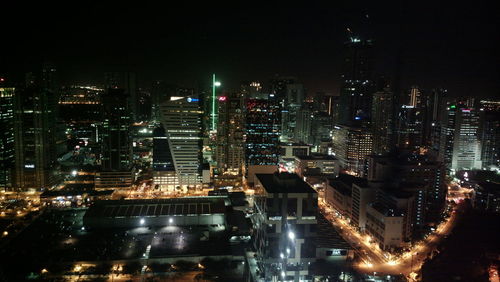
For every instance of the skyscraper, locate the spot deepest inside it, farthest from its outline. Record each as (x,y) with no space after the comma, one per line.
(127,82)
(34,137)
(291,104)
(460,144)
(230,153)
(466,142)
(410,121)
(382,116)
(286,237)
(164,174)
(262,131)
(116,144)
(357,85)
(352,145)
(6,136)
(303,125)
(181,119)
(490,133)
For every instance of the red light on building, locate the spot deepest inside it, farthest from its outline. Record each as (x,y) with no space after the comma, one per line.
(222,98)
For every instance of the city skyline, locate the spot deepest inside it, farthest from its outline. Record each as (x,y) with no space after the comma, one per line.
(250,143)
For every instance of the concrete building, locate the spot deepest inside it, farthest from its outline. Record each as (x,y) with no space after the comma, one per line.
(338,194)
(317,165)
(351,146)
(420,174)
(114,179)
(486,196)
(385,227)
(286,225)
(362,194)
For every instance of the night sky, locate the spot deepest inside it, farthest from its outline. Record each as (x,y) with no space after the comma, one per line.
(438,45)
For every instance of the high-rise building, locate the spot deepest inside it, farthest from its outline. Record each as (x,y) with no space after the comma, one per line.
(303,126)
(116,143)
(278,86)
(351,145)
(262,131)
(127,82)
(415,99)
(420,175)
(382,116)
(160,93)
(410,127)
(285,240)
(357,85)
(490,133)
(432,104)
(181,119)
(6,136)
(34,136)
(163,164)
(291,105)
(80,109)
(466,142)
(230,152)
(321,128)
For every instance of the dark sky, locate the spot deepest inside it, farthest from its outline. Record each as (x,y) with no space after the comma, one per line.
(438,45)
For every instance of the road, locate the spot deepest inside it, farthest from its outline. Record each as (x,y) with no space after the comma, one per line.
(373,260)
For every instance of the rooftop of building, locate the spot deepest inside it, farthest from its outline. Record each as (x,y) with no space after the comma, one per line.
(284,183)
(157,207)
(72,193)
(490,187)
(348,180)
(340,186)
(405,157)
(317,157)
(389,212)
(397,192)
(284,144)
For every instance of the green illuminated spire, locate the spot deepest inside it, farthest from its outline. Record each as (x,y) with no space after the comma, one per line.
(213,102)
(214,84)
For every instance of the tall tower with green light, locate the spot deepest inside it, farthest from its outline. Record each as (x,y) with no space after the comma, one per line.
(213,115)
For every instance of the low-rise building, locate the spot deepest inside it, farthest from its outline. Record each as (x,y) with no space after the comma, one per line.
(385,226)
(188,211)
(316,165)
(338,194)
(486,196)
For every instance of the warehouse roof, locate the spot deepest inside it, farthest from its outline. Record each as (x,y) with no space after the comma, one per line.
(157,207)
